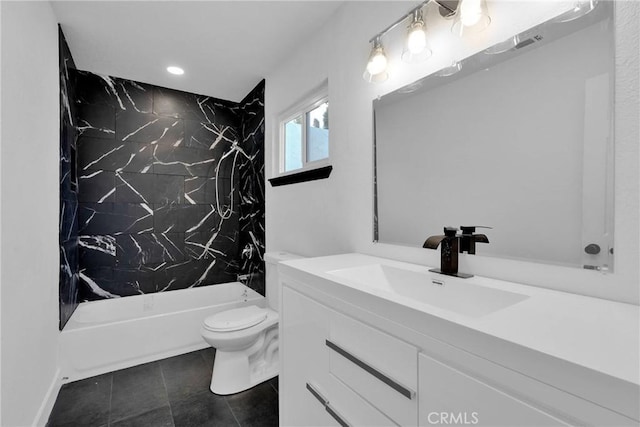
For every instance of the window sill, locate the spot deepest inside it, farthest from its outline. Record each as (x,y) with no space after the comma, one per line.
(302,176)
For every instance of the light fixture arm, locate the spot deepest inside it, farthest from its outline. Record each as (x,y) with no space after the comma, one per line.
(409,14)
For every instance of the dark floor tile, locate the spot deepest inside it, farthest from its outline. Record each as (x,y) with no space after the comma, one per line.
(160,417)
(208,354)
(186,375)
(202,409)
(83,403)
(257,406)
(136,391)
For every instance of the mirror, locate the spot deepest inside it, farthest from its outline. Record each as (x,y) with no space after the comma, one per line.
(521,141)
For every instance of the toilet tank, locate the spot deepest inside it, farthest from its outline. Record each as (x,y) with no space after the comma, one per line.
(272,284)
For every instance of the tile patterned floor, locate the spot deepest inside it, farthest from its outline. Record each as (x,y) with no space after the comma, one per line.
(171,392)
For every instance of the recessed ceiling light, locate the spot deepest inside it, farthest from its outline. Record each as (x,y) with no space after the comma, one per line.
(175,70)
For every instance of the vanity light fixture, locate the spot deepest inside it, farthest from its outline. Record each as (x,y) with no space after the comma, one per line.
(175,70)
(472,16)
(416,47)
(580,8)
(376,70)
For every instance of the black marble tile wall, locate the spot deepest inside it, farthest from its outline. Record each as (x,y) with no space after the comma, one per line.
(159,189)
(167,183)
(68,232)
(252,202)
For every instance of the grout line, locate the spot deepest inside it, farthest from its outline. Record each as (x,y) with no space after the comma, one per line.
(164,383)
(110,400)
(232,413)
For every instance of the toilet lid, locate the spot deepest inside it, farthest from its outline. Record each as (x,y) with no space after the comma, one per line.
(235,319)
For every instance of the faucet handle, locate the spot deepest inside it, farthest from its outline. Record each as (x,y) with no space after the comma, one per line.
(450,231)
(470,229)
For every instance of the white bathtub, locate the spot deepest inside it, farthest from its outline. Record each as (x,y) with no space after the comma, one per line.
(104,336)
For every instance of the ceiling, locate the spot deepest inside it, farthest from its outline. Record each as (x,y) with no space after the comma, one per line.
(225,47)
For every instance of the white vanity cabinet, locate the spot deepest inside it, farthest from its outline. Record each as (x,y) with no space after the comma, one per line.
(351,359)
(331,370)
(304,361)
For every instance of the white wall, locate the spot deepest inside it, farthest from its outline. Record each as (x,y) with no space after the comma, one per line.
(335,215)
(29,197)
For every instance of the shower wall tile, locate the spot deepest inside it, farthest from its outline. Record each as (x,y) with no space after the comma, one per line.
(100,154)
(171,160)
(161,196)
(168,189)
(168,218)
(135,187)
(96,121)
(110,218)
(68,282)
(121,94)
(250,179)
(68,232)
(105,283)
(199,190)
(97,186)
(134,280)
(97,250)
(148,128)
(69,217)
(189,106)
(137,250)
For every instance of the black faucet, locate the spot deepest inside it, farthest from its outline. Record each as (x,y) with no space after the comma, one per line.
(468,239)
(450,244)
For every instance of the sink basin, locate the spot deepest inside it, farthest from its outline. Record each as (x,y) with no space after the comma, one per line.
(451,294)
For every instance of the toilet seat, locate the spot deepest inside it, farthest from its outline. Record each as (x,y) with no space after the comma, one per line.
(235,319)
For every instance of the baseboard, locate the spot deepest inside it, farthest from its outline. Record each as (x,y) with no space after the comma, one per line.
(49,400)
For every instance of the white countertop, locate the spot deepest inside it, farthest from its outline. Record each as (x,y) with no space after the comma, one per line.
(597,334)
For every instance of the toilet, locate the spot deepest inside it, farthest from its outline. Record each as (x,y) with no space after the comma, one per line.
(246,338)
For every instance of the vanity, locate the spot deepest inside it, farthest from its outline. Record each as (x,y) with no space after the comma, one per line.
(368,341)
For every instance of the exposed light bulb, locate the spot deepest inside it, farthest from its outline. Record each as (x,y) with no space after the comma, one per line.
(377,62)
(472,16)
(470,12)
(376,69)
(416,47)
(416,39)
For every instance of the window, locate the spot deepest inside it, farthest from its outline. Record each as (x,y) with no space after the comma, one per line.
(304,134)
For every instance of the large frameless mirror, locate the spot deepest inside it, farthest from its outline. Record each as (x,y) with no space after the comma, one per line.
(519,139)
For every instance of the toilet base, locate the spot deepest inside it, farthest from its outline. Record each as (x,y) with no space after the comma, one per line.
(239,370)
(232,373)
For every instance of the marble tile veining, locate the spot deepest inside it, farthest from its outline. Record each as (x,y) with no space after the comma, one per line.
(69,205)
(166,200)
(159,189)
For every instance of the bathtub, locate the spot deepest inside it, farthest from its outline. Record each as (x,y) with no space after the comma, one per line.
(108,335)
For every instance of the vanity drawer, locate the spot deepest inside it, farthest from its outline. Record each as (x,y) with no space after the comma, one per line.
(448,396)
(377,366)
(454,380)
(353,409)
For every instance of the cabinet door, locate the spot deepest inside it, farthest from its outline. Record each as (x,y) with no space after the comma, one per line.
(450,397)
(377,366)
(304,362)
